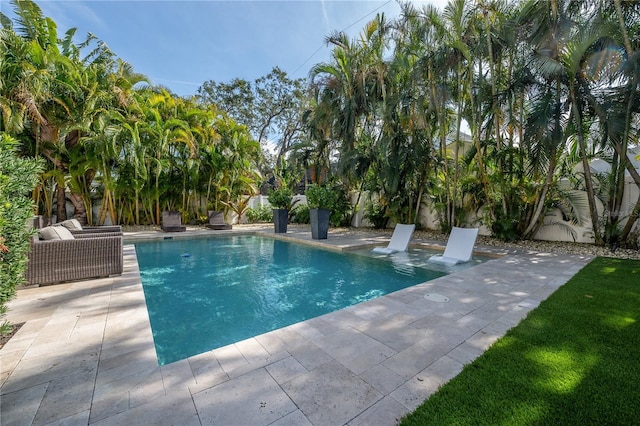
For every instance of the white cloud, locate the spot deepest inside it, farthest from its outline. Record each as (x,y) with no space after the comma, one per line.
(73,14)
(325,15)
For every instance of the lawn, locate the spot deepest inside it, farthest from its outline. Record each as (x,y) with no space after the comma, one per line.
(574,360)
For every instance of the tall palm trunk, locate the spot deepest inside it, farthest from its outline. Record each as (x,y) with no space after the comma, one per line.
(537,217)
(495,107)
(588,180)
(475,135)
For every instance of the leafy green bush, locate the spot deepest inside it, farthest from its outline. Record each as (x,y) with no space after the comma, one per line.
(505,226)
(280,198)
(376,214)
(320,197)
(341,210)
(260,214)
(17,179)
(300,214)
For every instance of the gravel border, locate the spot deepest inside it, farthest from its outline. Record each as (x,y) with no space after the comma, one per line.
(535,245)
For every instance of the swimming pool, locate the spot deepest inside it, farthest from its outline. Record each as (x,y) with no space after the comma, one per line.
(202,294)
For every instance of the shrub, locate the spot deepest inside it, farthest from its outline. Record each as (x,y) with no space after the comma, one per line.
(260,214)
(320,197)
(301,214)
(18,177)
(332,196)
(280,198)
(376,214)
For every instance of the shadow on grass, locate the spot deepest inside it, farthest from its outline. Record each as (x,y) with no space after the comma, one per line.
(573,360)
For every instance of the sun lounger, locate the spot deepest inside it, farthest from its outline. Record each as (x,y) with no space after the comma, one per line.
(459,246)
(172,222)
(399,240)
(216,221)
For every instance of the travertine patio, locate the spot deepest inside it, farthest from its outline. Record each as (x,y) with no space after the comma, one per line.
(85,354)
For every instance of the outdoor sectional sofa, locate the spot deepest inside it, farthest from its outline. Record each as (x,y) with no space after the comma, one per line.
(82,256)
(76,228)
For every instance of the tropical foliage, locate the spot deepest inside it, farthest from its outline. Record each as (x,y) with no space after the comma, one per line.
(542,88)
(281,198)
(486,112)
(18,176)
(112,142)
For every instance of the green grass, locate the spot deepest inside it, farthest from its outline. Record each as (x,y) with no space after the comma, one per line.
(575,360)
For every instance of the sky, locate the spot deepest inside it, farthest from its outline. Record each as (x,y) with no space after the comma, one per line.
(182,44)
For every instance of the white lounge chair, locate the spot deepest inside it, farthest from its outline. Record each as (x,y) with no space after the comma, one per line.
(399,240)
(459,247)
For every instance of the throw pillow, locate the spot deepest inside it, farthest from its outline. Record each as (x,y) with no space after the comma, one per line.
(48,233)
(63,233)
(72,224)
(55,233)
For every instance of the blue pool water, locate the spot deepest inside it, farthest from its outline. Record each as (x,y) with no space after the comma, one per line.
(206,293)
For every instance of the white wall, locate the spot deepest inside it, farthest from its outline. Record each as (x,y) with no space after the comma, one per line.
(554,227)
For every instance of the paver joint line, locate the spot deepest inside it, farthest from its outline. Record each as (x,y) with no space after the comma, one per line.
(484,302)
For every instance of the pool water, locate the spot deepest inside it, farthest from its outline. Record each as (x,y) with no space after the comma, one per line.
(202,294)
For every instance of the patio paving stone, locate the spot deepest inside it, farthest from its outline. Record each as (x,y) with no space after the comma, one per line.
(252,350)
(397,331)
(387,411)
(286,369)
(85,354)
(176,408)
(252,399)
(310,355)
(46,368)
(331,394)
(66,396)
(297,418)
(20,407)
(271,342)
(465,353)
(149,388)
(413,392)
(416,358)
(258,363)
(382,378)
(126,391)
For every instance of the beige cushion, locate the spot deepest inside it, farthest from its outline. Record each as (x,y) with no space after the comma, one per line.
(72,224)
(55,233)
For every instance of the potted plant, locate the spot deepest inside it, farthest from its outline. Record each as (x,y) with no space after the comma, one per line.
(280,200)
(320,200)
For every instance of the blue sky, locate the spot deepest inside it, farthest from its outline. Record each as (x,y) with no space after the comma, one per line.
(182,44)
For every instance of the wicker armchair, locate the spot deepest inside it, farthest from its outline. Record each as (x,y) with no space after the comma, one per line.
(85,256)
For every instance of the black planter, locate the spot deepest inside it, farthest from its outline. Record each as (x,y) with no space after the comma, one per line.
(319,223)
(280,219)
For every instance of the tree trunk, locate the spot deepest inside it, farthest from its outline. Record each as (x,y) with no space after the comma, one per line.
(79,208)
(61,210)
(587,169)
(532,227)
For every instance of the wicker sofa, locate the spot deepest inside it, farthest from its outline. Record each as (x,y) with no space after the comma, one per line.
(76,229)
(82,257)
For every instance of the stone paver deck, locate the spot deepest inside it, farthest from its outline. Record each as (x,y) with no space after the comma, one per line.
(85,354)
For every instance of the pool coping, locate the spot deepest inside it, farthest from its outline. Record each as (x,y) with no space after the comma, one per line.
(85,354)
